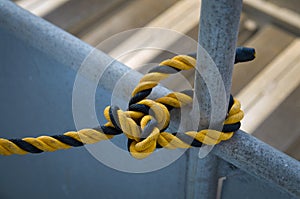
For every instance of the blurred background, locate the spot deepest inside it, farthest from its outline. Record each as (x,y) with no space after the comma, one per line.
(268,87)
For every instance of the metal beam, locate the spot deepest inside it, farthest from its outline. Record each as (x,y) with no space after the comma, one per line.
(47,38)
(257,158)
(272,13)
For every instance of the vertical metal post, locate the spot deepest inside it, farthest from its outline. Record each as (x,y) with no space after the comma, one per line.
(218,32)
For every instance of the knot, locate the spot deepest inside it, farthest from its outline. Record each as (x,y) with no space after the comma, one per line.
(141,124)
(147,144)
(145,121)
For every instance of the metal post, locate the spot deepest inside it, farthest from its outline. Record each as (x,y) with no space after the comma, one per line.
(218,31)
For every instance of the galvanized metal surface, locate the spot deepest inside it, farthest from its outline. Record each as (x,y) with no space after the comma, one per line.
(218,32)
(219,23)
(36,89)
(65,48)
(238,184)
(36,99)
(259,159)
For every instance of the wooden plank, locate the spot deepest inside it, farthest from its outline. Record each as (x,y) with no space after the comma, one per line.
(268,42)
(265,11)
(293,5)
(76,15)
(248,28)
(180,17)
(29,4)
(134,14)
(282,128)
(268,90)
(40,8)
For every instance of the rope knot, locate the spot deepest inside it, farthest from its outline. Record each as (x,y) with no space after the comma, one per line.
(143,129)
(145,121)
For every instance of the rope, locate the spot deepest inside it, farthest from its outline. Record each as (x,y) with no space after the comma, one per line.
(145,122)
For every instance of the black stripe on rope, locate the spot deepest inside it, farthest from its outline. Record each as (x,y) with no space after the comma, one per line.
(146,110)
(139,96)
(188,139)
(108,130)
(113,114)
(242,54)
(231,102)
(26,146)
(227,128)
(68,140)
(139,108)
(164,69)
(169,107)
(129,141)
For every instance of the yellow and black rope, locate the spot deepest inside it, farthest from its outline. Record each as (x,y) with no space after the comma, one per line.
(145,121)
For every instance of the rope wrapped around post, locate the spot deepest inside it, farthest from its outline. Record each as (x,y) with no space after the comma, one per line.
(145,122)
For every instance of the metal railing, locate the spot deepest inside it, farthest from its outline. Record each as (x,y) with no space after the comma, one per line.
(243,151)
(218,32)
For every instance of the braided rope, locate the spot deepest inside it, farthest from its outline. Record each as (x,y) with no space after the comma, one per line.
(145,121)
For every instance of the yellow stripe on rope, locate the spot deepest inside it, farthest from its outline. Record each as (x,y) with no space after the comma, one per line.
(175,99)
(187,60)
(231,119)
(8,148)
(170,141)
(161,113)
(154,77)
(144,86)
(179,62)
(141,154)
